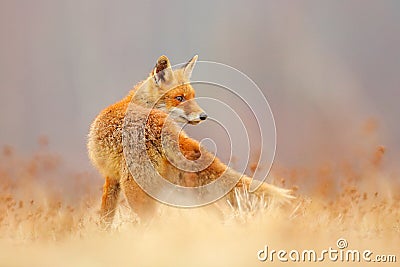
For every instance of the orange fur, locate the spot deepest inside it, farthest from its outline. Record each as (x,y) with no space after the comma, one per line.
(105,144)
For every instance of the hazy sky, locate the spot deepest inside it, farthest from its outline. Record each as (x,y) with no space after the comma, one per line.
(325,66)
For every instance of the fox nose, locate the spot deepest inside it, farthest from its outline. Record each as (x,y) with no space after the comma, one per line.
(203,116)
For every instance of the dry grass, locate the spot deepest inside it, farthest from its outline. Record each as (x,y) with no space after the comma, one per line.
(49,217)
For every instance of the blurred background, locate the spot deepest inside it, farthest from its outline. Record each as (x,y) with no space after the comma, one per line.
(330,69)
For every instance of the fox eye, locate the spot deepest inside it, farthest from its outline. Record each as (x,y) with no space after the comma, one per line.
(180,98)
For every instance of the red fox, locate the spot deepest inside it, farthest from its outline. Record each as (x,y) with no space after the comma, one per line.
(165,99)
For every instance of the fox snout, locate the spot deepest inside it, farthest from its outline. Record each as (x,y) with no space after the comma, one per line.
(193,113)
(188,112)
(196,118)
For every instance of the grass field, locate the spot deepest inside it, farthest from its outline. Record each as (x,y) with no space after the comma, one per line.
(49,217)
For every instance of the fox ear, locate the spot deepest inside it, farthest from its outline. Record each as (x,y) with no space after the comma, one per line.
(188,68)
(162,71)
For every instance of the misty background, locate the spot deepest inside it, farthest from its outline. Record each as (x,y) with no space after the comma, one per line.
(326,67)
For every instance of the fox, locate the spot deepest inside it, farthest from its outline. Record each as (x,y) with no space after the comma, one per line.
(159,105)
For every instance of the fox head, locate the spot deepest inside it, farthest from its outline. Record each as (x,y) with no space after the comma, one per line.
(171,91)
